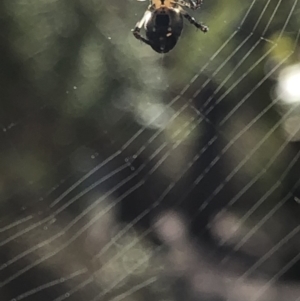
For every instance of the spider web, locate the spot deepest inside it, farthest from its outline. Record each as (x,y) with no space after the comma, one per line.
(170,193)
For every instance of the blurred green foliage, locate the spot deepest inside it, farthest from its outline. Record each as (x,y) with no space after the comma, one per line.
(75,85)
(68,67)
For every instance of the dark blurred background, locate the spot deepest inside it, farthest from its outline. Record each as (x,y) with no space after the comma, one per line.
(129,175)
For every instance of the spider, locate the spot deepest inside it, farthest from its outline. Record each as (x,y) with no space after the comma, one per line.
(163,23)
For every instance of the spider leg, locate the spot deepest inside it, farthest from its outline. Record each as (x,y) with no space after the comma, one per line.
(192,4)
(136,31)
(195,4)
(202,27)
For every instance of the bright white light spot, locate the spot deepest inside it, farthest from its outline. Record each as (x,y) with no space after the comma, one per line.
(289,84)
(170,227)
(225,227)
(153,115)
